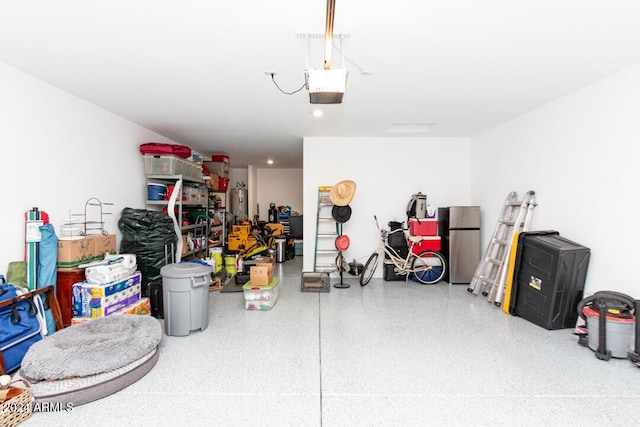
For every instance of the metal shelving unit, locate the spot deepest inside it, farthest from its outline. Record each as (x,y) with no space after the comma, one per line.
(222,213)
(200,230)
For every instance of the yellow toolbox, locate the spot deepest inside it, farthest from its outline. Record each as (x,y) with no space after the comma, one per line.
(240,243)
(275,228)
(242,229)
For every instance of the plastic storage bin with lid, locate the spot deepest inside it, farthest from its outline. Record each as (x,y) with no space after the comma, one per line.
(185,297)
(260,297)
(156,191)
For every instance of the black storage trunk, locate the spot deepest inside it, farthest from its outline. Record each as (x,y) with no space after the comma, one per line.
(388,272)
(549,277)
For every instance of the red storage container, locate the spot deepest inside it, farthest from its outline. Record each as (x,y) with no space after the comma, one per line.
(223,184)
(428,243)
(423,227)
(220,158)
(161,148)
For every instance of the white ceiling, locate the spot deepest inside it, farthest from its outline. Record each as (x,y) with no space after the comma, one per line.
(194,71)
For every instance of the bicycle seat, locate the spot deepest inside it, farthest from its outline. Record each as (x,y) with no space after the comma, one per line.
(416,239)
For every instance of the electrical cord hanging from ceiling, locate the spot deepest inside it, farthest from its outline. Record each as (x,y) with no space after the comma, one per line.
(286,93)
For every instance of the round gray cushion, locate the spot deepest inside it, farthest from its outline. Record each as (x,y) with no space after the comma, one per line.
(92,347)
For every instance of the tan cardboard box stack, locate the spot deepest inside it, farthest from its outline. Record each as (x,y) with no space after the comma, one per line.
(261,291)
(261,274)
(213,181)
(72,253)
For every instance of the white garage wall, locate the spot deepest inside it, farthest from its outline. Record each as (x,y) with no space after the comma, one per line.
(58,151)
(579,153)
(387,172)
(280,186)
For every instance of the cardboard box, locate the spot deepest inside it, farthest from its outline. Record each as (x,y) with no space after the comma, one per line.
(261,274)
(102,244)
(214,181)
(263,259)
(72,253)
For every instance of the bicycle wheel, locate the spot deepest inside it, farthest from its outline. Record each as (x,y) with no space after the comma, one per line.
(428,267)
(369,269)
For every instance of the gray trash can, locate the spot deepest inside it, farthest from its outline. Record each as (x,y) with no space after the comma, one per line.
(185,296)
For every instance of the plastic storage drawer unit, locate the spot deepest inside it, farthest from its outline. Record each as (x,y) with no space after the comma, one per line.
(549,276)
(260,297)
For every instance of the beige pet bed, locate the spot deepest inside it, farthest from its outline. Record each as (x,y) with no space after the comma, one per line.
(91,360)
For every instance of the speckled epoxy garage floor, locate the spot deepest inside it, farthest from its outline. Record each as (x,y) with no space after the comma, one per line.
(388,354)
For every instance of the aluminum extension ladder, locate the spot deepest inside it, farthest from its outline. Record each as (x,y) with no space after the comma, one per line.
(327,230)
(491,274)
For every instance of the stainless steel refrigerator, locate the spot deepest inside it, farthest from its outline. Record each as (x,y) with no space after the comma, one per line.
(459,228)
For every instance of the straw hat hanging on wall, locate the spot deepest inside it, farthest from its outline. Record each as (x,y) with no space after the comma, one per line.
(342,193)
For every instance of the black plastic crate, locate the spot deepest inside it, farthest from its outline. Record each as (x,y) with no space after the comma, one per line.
(389,274)
(549,277)
(241,278)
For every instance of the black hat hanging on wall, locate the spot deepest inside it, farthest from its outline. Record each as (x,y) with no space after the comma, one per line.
(341,213)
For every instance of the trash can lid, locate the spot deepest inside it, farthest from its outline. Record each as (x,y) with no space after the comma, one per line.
(185,269)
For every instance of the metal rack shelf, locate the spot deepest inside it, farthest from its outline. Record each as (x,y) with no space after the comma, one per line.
(200,231)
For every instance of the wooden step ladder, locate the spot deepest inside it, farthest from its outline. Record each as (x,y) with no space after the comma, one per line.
(327,229)
(491,273)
